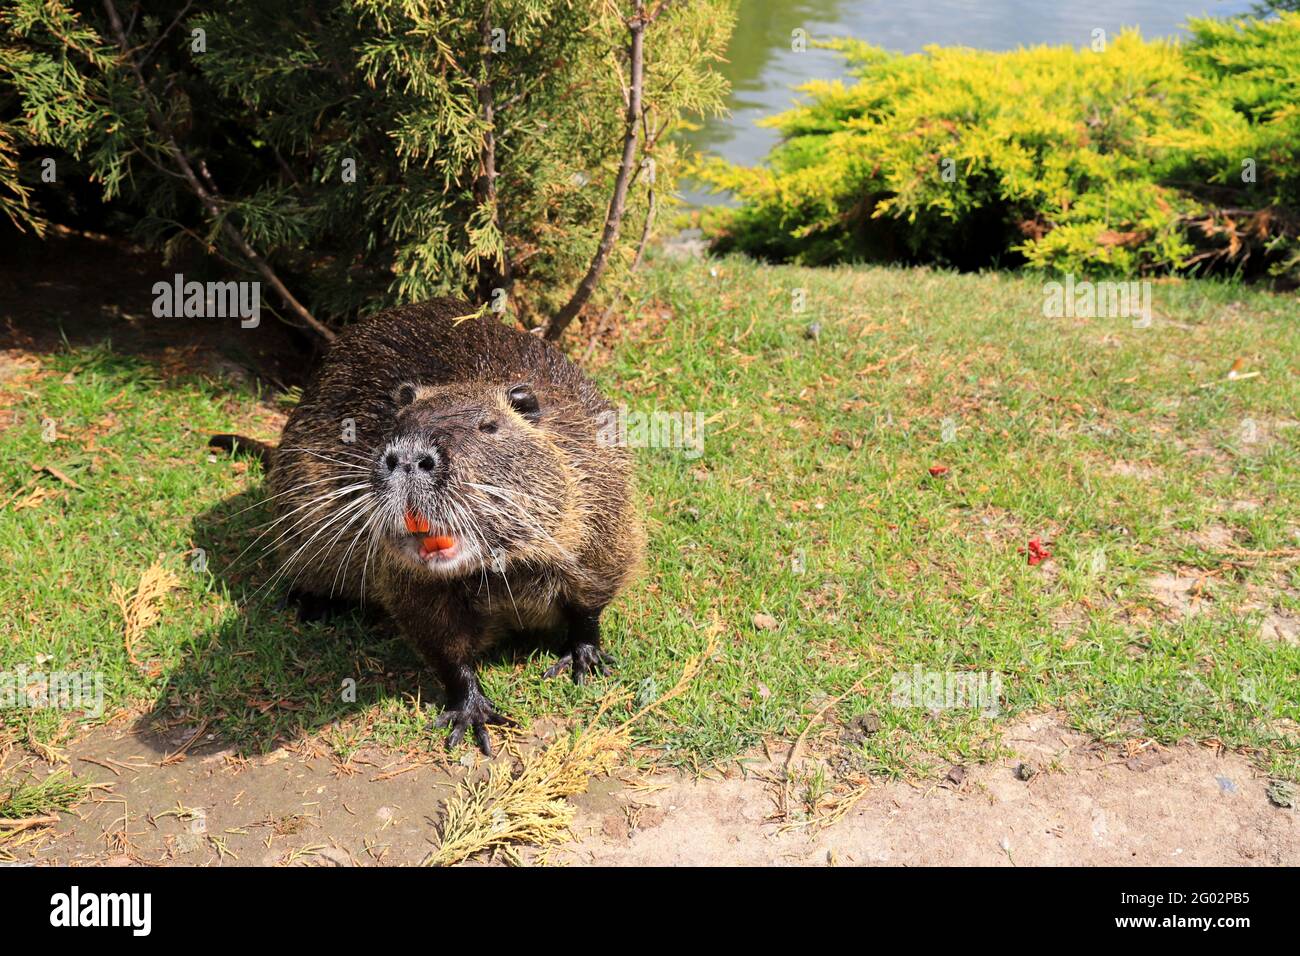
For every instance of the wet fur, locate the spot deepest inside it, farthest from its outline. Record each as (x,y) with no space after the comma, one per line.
(563,518)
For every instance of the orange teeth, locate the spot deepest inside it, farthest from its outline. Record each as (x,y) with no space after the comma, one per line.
(430,543)
(438,542)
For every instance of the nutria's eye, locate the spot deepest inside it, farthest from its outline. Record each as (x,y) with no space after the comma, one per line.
(524,402)
(405,395)
(488,427)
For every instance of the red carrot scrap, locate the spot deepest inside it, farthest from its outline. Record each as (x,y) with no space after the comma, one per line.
(1037,551)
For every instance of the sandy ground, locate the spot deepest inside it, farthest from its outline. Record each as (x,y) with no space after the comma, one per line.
(1177,806)
(1084,804)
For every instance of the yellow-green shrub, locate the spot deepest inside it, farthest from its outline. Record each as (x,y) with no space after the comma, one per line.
(1126,160)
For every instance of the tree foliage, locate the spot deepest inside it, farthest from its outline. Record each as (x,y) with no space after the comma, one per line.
(345,141)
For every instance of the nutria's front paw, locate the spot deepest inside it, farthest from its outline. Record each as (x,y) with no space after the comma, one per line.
(474,712)
(584,659)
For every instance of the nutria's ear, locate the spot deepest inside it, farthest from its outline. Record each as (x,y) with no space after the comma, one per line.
(523,400)
(404,394)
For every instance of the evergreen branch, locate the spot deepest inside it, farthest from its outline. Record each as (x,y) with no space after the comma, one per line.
(205,197)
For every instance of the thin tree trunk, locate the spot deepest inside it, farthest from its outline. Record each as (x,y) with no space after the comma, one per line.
(494,275)
(648,226)
(209,202)
(614,218)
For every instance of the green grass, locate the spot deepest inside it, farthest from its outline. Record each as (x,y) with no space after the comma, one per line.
(24,797)
(819,448)
(33,798)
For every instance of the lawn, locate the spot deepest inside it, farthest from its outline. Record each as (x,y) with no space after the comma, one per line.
(810,542)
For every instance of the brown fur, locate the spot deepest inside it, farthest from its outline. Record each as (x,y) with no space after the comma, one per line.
(558,533)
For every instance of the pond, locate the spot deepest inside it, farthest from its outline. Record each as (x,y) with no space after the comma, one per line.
(764,70)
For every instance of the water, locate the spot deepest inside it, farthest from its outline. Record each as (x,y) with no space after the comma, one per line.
(764,70)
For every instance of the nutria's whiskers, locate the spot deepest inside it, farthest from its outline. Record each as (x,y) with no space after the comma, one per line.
(472,462)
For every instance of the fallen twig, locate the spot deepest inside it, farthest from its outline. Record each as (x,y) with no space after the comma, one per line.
(1231,378)
(55,473)
(26,823)
(179,755)
(1273,553)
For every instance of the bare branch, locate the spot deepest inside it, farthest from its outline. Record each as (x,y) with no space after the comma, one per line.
(148,55)
(493,275)
(647,228)
(614,217)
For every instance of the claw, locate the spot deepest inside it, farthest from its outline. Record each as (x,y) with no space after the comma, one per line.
(583,659)
(474,714)
(559,667)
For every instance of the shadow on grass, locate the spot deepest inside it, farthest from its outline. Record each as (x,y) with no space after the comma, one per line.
(262,677)
(76,292)
(256,676)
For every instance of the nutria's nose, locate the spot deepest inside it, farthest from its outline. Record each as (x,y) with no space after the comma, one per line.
(407,458)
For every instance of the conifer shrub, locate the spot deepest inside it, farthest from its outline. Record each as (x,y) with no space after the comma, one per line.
(345,140)
(1142,156)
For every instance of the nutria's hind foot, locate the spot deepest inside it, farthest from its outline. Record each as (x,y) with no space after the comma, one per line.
(474,712)
(584,656)
(583,660)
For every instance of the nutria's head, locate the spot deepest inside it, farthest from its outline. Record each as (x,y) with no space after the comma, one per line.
(467,478)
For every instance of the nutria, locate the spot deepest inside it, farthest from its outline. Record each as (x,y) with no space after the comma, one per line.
(454,471)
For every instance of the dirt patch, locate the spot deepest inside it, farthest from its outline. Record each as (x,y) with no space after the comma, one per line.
(213,808)
(1138,470)
(1182,592)
(1080,805)
(1215,537)
(1266,431)
(1059,799)
(1280,622)
(1243,505)
(1281,627)
(1186,592)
